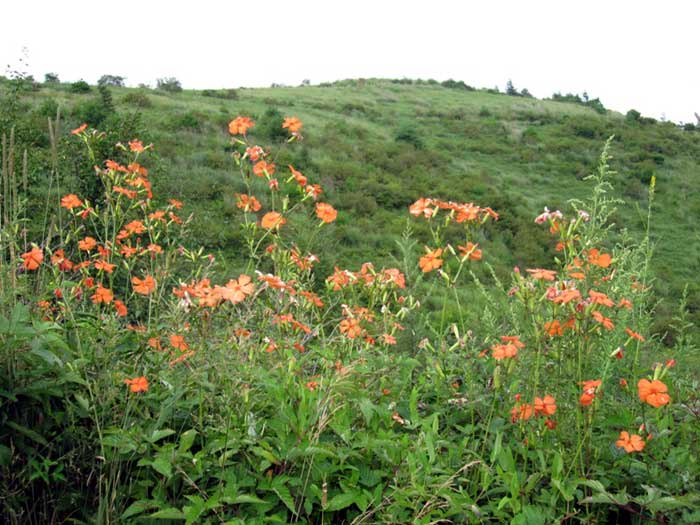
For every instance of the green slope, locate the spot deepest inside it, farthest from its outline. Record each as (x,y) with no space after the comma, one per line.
(376,146)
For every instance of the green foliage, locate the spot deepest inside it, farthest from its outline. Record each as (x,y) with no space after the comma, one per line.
(456,84)
(80,86)
(111,80)
(408,133)
(269,126)
(245,426)
(226,94)
(169,84)
(137,99)
(51,78)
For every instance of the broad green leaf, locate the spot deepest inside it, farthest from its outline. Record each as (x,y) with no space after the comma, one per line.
(341,501)
(137,507)
(170,513)
(157,435)
(31,434)
(162,466)
(186,440)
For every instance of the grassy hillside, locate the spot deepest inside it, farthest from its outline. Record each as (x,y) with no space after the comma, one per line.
(376,146)
(145,380)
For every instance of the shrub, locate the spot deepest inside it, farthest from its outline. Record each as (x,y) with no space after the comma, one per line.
(226,94)
(138,99)
(632,116)
(92,112)
(407,133)
(80,87)
(51,78)
(189,121)
(269,125)
(48,108)
(169,84)
(106,97)
(111,80)
(456,84)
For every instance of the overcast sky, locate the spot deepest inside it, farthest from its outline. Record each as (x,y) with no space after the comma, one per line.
(632,54)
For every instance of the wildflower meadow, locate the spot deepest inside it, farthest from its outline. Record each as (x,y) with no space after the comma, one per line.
(143,382)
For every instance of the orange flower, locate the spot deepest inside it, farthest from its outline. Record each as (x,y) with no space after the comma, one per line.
(272,220)
(87,244)
(127,251)
(154,342)
(301,180)
(102,295)
(58,258)
(293,124)
(514,340)
(33,258)
(135,227)
(240,125)
(351,328)
(254,153)
(136,146)
(625,303)
(326,212)
(504,351)
(565,296)
(599,259)
(312,385)
(71,201)
(121,308)
(545,406)
(247,202)
(422,207)
(590,389)
(237,290)
(143,286)
(79,130)
(522,411)
(312,298)
(605,321)
(600,298)
(138,384)
(554,328)
(178,341)
(654,393)
(105,266)
(314,190)
(431,261)
(389,339)
(129,194)
(539,273)
(470,250)
(176,204)
(264,168)
(634,335)
(633,443)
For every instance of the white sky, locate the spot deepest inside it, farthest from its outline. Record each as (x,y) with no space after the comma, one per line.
(632,54)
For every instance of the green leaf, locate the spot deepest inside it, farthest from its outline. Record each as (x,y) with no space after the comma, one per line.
(186,440)
(162,466)
(137,507)
(84,403)
(157,435)
(170,513)
(557,466)
(31,434)
(341,501)
(244,498)
(286,497)
(45,354)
